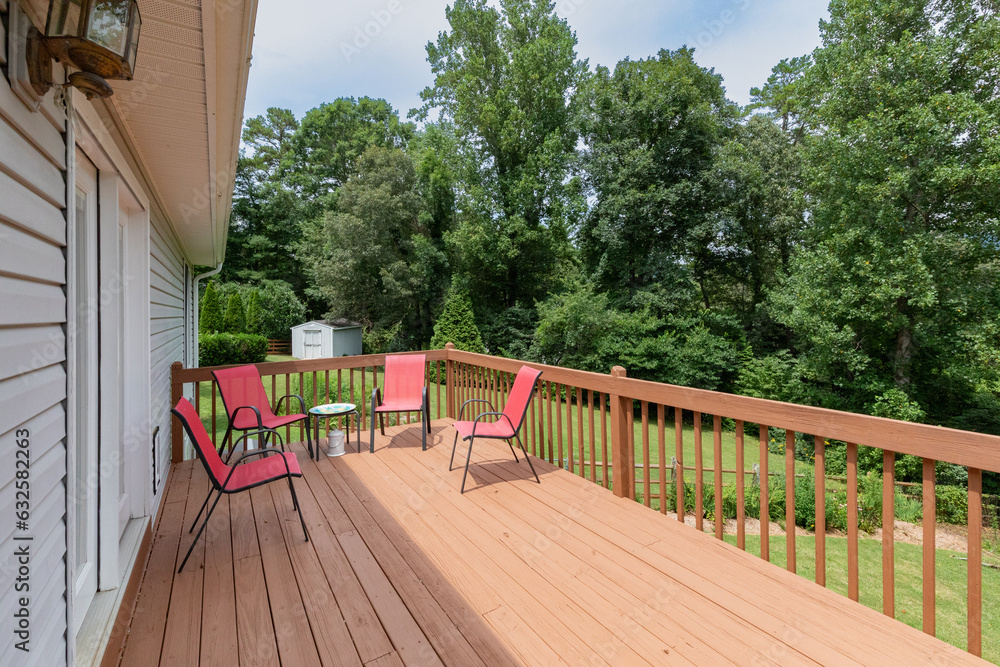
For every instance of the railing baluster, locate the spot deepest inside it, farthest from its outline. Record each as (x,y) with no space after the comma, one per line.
(888,533)
(593,441)
(569,429)
(559,429)
(930,546)
(532,433)
(604,438)
(340,391)
(975,576)
(579,433)
(717,473)
(437,382)
(679,455)
(790,500)
(662,456)
(365,409)
(852,522)
(548,409)
(820,454)
(644,407)
(699,481)
(740,490)
(288,390)
(765,508)
(215,429)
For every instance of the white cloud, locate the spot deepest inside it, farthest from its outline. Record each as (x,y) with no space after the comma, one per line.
(307,51)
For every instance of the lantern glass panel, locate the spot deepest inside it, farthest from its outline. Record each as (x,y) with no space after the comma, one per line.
(133,37)
(64,18)
(108,25)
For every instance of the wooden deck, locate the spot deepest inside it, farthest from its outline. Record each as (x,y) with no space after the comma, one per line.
(403,570)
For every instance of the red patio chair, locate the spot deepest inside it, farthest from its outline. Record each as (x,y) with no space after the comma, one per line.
(507,424)
(276,464)
(247,405)
(405,391)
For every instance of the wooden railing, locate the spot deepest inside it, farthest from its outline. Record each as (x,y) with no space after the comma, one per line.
(586,423)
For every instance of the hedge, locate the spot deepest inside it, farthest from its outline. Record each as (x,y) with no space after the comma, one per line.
(224,349)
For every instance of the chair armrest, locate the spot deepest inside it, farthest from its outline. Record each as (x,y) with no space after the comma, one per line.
(376,397)
(302,403)
(259,432)
(488,414)
(474,400)
(257,452)
(260,422)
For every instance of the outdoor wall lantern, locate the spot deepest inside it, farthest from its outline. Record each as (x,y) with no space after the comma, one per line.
(98,37)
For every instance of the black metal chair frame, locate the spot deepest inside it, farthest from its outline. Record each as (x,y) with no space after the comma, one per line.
(267,451)
(472,437)
(424,408)
(260,422)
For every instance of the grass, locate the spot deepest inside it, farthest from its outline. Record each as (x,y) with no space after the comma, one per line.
(951,589)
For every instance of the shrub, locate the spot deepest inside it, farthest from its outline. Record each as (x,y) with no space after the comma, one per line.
(457,324)
(224,349)
(235,320)
(952,505)
(280,308)
(253,313)
(210,318)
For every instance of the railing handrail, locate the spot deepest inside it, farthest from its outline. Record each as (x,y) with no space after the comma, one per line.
(965,448)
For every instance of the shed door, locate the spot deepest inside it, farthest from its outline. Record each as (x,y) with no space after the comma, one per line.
(313,342)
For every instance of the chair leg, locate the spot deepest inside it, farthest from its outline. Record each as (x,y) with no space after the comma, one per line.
(527,458)
(200,531)
(371,440)
(225,439)
(423,440)
(203,505)
(298,508)
(453,446)
(309,439)
(467,460)
(512,451)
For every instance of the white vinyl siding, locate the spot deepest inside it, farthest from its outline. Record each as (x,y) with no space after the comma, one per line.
(32,376)
(167,330)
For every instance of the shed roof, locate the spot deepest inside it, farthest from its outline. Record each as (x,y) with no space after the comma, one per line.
(342,323)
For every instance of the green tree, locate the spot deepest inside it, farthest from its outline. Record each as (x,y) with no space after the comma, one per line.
(651,127)
(280,308)
(758,177)
(370,260)
(457,324)
(210,318)
(333,136)
(267,213)
(234,320)
(253,313)
(898,284)
(785,95)
(506,77)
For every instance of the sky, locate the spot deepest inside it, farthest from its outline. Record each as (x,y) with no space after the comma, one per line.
(307,52)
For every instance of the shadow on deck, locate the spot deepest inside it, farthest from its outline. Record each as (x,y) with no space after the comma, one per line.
(403,570)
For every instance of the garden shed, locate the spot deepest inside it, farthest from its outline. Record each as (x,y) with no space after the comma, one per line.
(320,339)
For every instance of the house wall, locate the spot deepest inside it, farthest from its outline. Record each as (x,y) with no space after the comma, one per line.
(170,322)
(33,235)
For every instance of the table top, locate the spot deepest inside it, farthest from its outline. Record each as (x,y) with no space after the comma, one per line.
(333,409)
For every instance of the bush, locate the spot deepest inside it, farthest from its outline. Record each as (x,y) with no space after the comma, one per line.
(210,317)
(224,349)
(952,505)
(253,313)
(280,308)
(457,324)
(235,320)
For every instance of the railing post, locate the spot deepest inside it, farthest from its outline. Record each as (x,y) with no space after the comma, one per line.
(176,434)
(622,472)
(449,366)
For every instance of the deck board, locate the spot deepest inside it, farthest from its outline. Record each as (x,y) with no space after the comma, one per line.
(402,569)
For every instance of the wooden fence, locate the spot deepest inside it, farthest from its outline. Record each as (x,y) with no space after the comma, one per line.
(584,422)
